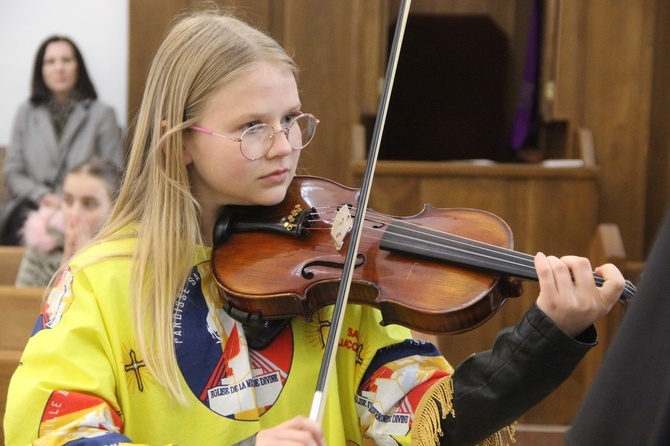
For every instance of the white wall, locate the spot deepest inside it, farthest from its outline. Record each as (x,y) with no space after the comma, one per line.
(98,27)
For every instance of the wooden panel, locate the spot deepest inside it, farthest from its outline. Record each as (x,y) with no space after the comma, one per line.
(323,35)
(9,360)
(372,50)
(617,107)
(569,62)
(554,210)
(564,215)
(148,22)
(536,434)
(604,75)
(19,310)
(10,260)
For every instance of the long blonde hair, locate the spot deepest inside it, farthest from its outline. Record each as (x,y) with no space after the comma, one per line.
(200,53)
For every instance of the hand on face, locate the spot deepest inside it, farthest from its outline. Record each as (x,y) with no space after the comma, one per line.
(78,231)
(569,295)
(86,203)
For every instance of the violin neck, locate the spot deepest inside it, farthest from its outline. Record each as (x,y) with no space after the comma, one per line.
(424,242)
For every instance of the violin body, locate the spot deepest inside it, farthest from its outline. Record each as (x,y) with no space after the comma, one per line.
(265,274)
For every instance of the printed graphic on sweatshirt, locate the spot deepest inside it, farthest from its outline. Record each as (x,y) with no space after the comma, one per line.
(59,300)
(393,387)
(215,360)
(91,415)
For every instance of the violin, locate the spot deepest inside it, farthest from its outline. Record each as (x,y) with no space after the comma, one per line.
(440,271)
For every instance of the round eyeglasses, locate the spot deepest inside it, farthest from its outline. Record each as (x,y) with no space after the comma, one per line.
(256,141)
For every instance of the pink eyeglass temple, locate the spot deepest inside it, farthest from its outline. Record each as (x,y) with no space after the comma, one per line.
(200,129)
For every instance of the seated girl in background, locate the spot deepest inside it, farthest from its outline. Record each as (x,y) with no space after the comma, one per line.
(53,235)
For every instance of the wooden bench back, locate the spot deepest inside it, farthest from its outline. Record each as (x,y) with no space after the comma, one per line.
(19,310)
(10,260)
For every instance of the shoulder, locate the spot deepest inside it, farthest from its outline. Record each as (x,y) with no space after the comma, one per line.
(96,105)
(27,108)
(101,271)
(108,255)
(123,242)
(98,109)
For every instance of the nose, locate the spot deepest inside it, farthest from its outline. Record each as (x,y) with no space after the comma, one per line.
(72,218)
(73,210)
(280,146)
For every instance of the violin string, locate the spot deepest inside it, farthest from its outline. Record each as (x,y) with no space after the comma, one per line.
(513,257)
(327,215)
(527,261)
(474,247)
(465,245)
(502,255)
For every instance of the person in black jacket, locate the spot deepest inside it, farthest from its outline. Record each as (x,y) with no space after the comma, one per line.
(629,400)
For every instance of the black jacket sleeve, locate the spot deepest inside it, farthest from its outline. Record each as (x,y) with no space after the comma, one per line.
(494,388)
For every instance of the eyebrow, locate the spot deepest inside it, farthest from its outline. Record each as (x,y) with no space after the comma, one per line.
(252,116)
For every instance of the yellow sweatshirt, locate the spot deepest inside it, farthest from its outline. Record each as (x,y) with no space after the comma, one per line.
(82,375)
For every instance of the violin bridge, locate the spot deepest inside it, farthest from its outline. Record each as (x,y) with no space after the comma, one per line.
(342,224)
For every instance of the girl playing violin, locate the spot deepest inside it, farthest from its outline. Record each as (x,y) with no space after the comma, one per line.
(133,344)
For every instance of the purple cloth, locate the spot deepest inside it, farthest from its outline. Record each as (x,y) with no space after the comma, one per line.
(524,117)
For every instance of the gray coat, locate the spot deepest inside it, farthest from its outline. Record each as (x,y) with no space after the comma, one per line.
(36,163)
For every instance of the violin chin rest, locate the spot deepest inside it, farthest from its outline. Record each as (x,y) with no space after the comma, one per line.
(259,332)
(261,335)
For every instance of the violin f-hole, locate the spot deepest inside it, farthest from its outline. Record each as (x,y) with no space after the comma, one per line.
(360,261)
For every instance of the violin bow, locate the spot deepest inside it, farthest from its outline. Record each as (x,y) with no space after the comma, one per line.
(318,406)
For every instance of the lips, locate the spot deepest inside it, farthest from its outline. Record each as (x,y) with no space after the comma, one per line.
(276,177)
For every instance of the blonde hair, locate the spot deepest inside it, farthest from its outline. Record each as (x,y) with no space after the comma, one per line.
(200,53)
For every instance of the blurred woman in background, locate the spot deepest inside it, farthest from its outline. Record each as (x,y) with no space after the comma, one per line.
(60,126)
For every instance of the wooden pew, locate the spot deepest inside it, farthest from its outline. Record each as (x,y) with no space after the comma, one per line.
(10,260)
(19,309)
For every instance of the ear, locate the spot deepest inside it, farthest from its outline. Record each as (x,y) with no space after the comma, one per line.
(186,153)
(186,142)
